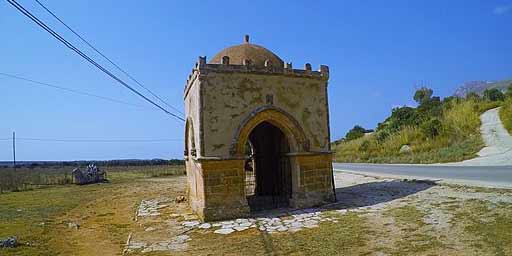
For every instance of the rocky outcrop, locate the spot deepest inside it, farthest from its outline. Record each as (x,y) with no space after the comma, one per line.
(480,86)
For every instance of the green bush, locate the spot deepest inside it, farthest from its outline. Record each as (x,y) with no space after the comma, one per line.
(431,128)
(356,132)
(494,95)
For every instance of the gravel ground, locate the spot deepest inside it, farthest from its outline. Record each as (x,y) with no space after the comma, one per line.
(169,227)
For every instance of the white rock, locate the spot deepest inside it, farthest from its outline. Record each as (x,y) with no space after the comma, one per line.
(282,229)
(205,226)
(241,228)
(245,224)
(224,231)
(182,238)
(191,223)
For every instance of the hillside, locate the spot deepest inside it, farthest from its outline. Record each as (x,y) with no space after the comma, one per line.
(480,86)
(438,130)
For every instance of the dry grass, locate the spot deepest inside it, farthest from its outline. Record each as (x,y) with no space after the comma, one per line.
(104,211)
(506,114)
(39,217)
(24,178)
(459,139)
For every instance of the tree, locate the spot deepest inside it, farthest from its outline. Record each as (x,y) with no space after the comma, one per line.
(356,132)
(423,95)
(494,95)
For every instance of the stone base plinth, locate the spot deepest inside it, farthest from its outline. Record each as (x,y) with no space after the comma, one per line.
(217,187)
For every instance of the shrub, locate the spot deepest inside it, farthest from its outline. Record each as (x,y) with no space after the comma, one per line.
(356,132)
(494,95)
(431,128)
(364,146)
(430,108)
(402,117)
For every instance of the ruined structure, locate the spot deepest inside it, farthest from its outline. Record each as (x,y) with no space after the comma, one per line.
(91,174)
(256,135)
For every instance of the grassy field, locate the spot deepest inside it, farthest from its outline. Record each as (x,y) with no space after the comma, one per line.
(40,218)
(25,178)
(458,139)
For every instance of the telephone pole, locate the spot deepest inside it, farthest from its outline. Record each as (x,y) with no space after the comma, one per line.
(14,150)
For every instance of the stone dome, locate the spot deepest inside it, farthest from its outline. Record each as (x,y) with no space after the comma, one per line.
(258,55)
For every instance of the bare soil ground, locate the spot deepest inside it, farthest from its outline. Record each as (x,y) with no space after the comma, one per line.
(372,217)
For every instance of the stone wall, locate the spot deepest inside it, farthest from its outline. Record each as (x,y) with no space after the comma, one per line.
(224,182)
(230,98)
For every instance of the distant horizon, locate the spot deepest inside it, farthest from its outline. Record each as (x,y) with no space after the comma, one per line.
(9,163)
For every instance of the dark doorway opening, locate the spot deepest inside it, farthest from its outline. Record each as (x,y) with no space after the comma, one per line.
(268,170)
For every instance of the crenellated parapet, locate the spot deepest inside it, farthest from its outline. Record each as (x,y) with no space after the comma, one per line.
(202,68)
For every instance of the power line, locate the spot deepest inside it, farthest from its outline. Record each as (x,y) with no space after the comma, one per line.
(108,59)
(97,140)
(70,90)
(83,55)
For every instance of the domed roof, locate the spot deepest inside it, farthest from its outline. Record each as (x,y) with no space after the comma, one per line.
(257,54)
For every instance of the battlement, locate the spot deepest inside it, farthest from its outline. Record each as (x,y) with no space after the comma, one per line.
(202,67)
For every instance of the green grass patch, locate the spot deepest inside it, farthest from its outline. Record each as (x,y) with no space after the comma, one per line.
(488,226)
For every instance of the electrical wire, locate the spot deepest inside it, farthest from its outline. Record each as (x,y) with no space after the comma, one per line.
(97,140)
(70,90)
(76,50)
(105,57)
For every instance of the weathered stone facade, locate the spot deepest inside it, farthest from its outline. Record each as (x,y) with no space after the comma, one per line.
(225,101)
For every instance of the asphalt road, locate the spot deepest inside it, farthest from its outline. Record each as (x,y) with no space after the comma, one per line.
(493,176)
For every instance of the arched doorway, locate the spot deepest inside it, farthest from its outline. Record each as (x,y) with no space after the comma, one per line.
(268,172)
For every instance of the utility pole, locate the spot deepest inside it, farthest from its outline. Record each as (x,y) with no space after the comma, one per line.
(14,150)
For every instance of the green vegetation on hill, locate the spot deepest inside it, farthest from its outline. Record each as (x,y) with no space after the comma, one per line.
(446,130)
(506,111)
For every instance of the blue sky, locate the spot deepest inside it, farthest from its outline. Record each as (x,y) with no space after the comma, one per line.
(378,53)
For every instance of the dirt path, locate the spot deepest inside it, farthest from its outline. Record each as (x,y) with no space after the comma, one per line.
(498,142)
(106,222)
